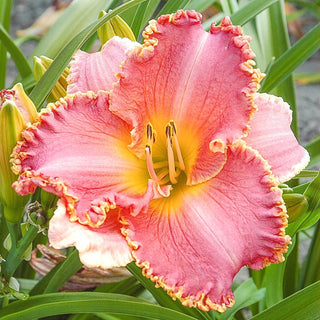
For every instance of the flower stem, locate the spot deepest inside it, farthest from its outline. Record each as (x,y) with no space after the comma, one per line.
(16,253)
(310,271)
(15,233)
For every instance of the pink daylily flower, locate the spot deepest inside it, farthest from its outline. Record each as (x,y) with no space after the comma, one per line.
(175,165)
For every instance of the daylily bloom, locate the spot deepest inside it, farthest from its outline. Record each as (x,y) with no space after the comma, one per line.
(175,166)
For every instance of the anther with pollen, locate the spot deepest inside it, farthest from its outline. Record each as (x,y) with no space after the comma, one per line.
(166,170)
(176,145)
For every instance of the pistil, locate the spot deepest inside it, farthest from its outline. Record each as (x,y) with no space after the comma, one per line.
(176,145)
(172,169)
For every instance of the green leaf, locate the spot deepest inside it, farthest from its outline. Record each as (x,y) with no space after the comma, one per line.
(139,17)
(310,270)
(16,254)
(304,78)
(16,55)
(5,18)
(46,83)
(78,15)
(313,195)
(173,5)
(296,14)
(313,213)
(273,282)
(229,6)
(86,302)
(292,58)
(305,304)
(313,147)
(57,276)
(245,295)
(105,316)
(306,174)
(162,297)
(275,43)
(199,5)
(128,286)
(245,13)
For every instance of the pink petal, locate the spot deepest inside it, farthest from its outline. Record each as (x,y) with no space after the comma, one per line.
(96,71)
(79,152)
(272,136)
(202,81)
(194,242)
(102,247)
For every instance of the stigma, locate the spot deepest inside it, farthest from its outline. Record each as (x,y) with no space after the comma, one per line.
(171,164)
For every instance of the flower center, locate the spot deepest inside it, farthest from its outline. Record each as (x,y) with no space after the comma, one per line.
(166,169)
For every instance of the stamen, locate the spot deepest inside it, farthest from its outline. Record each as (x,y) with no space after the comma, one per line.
(150,135)
(176,145)
(160,164)
(149,131)
(150,164)
(163,173)
(172,171)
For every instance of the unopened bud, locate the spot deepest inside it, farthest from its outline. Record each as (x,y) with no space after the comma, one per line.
(36,214)
(40,66)
(297,205)
(16,110)
(116,26)
(48,202)
(285,188)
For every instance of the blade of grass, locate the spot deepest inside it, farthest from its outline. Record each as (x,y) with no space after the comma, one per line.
(245,295)
(5,18)
(128,286)
(291,59)
(162,297)
(313,195)
(139,18)
(280,45)
(290,284)
(313,147)
(78,15)
(305,304)
(312,6)
(245,13)
(229,7)
(86,302)
(310,271)
(304,78)
(46,83)
(306,174)
(199,5)
(55,279)
(172,6)
(272,28)
(253,8)
(313,213)
(16,54)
